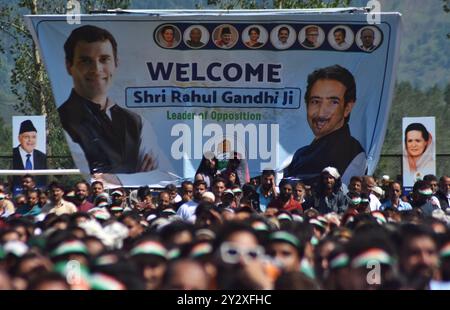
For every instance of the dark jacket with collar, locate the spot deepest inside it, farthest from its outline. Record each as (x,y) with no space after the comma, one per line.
(39,162)
(443,200)
(110,146)
(336,202)
(336,149)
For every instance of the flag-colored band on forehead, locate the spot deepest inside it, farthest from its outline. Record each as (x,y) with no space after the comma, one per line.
(286,237)
(339,261)
(70,247)
(370,255)
(150,248)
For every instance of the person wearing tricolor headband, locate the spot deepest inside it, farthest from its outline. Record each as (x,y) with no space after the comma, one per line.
(379,217)
(320,227)
(418,256)
(68,250)
(203,252)
(421,195)
(118,202)
(337,275)
(240,259)
(286,249)
(376,260)
(354,200)
(104,282)
(321,257)
(97,188)
(371,259)
(100,213)
(262,227)
(359,202)
(102,200)
(151,257)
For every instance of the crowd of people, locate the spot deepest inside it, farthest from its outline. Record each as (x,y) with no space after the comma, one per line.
(217,232)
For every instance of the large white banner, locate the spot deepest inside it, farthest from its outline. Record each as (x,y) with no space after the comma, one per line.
(142,97)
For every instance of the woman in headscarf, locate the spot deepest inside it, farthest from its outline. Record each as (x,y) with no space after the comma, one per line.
(418,159)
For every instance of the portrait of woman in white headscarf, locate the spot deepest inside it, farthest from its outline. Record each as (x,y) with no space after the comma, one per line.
(419,155)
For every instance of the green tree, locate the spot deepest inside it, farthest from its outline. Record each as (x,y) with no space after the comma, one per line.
(29,80)
(447,95)
(411,101)
(447,10)
(279,4)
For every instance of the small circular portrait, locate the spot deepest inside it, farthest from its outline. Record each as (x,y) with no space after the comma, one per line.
(225,36)
(196,36)
(368,38)
(311,36)
(168,36)
(341,37)
(283,36)
(255,36)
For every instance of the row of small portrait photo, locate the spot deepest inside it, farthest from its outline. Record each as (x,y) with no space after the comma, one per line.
(226,36)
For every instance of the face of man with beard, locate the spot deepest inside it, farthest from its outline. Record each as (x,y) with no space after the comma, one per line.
(267,181)
(420,258)
(328,180)
(286,192)
(117,200)
(81,191)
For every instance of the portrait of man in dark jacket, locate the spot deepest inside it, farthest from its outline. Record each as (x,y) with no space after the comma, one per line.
(25,155)
(111,137)
(330,97)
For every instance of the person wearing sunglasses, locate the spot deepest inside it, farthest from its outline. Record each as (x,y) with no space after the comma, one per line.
(394,201)
(241,260)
